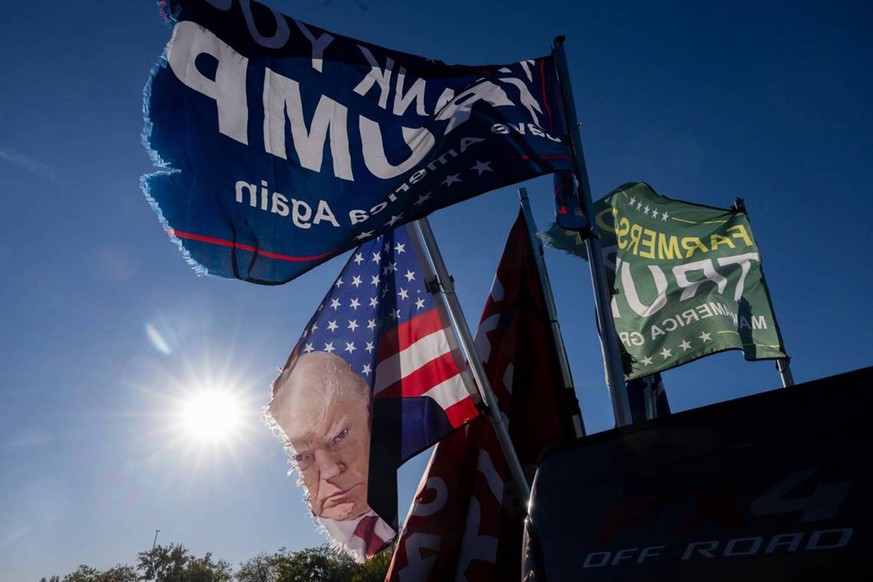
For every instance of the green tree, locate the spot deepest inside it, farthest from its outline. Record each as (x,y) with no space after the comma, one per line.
(85,573)
(206,570)
(261,568)
(174,563)
(120,573)
(321,564)
(375,569)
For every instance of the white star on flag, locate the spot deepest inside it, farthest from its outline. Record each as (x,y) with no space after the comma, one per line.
(482,167)
(331,325)
(685,345)
(705,337)
(665,353)
(451,179)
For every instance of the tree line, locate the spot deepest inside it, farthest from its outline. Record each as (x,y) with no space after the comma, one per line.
(175,563)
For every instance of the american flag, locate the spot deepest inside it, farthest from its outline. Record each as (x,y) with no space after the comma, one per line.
(381,318)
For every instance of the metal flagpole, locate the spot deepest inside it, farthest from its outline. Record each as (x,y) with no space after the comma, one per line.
(551,310)
(785,372)
(447,288)
(154,542)
(650,397)
(602,301)
(781,363)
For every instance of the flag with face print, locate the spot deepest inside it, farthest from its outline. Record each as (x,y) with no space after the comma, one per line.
(376,378)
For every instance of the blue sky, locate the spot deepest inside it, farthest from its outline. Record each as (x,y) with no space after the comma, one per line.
(106,330)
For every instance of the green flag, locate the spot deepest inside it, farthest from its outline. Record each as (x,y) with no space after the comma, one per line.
(685,279)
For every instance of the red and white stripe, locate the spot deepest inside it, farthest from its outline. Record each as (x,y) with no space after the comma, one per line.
(416,359)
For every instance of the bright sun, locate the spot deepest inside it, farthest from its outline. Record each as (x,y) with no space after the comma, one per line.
(211,415)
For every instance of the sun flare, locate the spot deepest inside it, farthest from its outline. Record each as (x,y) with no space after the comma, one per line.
(211,415)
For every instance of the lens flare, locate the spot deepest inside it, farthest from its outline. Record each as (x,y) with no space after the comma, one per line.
(157,339)
(211,415)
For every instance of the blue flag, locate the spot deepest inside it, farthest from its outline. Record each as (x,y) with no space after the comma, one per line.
(568,212)
(282,144)
(381,343)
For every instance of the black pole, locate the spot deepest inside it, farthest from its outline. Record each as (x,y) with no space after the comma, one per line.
(602,297)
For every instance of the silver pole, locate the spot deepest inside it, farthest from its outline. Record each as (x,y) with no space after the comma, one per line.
(650,398)
(785,372)
(446,285)
(782,366)
(609,337)
(154,542)
(551,309)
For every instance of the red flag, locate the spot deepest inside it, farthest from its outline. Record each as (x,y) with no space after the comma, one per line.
(466,520)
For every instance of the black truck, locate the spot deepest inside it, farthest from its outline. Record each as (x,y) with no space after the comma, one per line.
(775,486)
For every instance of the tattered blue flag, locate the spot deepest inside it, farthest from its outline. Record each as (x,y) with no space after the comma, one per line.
(568,212)
(283,145)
